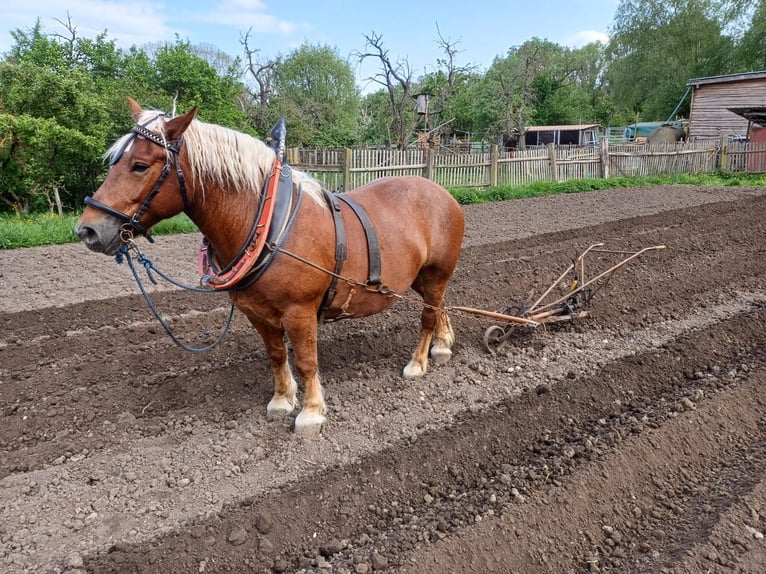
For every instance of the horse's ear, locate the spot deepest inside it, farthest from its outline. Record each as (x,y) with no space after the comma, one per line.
(177,126)
(135,109)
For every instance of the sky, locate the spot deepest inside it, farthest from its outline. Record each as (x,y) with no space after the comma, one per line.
(479,29)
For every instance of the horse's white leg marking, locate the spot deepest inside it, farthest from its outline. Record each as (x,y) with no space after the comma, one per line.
(418,364)
(283,403)
(444,336)
(310,420)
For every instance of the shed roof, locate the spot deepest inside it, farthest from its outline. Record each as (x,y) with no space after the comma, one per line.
(561,128)
(756,114)
(726,78)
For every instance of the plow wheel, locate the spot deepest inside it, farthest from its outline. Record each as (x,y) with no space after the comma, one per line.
(493,337)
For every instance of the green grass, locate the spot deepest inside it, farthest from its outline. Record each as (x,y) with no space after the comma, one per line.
(47,229)
(468,196)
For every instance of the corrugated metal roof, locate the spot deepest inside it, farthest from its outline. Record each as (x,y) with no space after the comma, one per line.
(727,78)
(574,127)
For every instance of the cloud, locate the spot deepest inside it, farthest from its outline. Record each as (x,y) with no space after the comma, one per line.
(580,39)
(249,14)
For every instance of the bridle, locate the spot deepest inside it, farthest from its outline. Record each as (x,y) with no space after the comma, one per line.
(133,222)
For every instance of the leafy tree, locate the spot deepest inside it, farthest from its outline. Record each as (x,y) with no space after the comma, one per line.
(658,45)
(751,50)
(191,80)
(315,89)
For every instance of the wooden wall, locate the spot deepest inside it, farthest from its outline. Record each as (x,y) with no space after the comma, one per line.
(709,117)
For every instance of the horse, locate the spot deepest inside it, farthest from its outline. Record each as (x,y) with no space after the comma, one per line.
(328,259)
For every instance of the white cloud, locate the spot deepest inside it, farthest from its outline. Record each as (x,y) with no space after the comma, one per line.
(246,14)
(580,39)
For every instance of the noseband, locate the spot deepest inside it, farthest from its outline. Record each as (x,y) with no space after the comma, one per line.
(133,222)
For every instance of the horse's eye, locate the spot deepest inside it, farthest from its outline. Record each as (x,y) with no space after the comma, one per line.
(139,167)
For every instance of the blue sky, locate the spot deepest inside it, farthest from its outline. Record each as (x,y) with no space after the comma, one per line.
(481,29)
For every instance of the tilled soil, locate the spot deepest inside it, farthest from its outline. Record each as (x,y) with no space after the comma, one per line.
(630,441)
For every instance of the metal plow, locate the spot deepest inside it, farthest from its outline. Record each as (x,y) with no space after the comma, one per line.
(548,308)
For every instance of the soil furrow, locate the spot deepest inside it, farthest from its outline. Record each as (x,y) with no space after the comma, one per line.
(629,441)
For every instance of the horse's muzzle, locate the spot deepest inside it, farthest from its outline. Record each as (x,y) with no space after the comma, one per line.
(102,237)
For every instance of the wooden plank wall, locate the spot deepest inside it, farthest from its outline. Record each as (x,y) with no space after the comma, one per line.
(342,170)
(709,117)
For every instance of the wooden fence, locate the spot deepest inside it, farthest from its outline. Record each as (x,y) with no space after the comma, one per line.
(344,169)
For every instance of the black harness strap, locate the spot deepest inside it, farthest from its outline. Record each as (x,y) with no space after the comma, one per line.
(340,251)
(373,247)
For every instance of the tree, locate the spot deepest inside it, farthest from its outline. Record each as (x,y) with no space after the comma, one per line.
(190,80)
(657,46)
(395,76)
(751,50)
(514,84)
(315,89)
(261,74)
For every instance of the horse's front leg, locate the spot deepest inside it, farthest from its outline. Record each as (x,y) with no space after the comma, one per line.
(284,400)
(302,332)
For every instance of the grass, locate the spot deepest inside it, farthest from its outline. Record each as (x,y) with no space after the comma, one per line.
(48,229)
(468,196)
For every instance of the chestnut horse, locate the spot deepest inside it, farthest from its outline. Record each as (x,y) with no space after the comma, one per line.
(220,177)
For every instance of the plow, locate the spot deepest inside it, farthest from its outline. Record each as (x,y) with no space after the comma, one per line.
(551,306)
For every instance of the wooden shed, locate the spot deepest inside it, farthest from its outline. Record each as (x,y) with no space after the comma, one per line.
(577,134)
(713,97)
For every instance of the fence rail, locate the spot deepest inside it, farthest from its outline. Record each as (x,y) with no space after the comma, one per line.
(344,169)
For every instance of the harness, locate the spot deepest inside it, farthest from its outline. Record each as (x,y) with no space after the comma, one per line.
(373,249)
(276,214)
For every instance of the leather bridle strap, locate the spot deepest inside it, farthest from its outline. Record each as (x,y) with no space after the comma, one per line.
(134,221)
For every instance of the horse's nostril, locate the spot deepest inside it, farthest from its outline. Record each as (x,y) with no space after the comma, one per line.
(85,233)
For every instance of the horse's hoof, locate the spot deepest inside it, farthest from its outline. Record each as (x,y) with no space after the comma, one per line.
(413,370)
(279,408)
(440,355)
(309,424)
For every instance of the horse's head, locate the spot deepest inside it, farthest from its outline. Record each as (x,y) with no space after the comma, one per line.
(145,183)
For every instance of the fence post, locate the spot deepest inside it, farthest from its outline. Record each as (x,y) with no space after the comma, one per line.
(605,158)
(346,169)
(292,156)
(554,163)
(429,170)
(494,157)
(724,157)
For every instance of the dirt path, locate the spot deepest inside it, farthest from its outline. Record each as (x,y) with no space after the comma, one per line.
(630,441)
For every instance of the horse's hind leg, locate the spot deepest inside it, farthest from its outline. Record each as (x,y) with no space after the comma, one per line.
(434,325)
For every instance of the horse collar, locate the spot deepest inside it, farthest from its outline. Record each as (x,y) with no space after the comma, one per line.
(276,195)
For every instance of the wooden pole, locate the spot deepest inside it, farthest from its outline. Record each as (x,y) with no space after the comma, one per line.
(495,156)
(605,157)
(346,169)
(554,162)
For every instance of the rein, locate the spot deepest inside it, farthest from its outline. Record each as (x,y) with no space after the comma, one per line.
(124,254)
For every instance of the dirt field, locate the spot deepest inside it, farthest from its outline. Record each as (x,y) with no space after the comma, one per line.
(630,441)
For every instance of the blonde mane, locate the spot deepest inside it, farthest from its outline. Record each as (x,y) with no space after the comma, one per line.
(230,158)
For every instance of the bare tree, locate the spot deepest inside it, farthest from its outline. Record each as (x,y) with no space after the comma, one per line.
(396,79)
(70,39)
(262,73)
(449,76)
